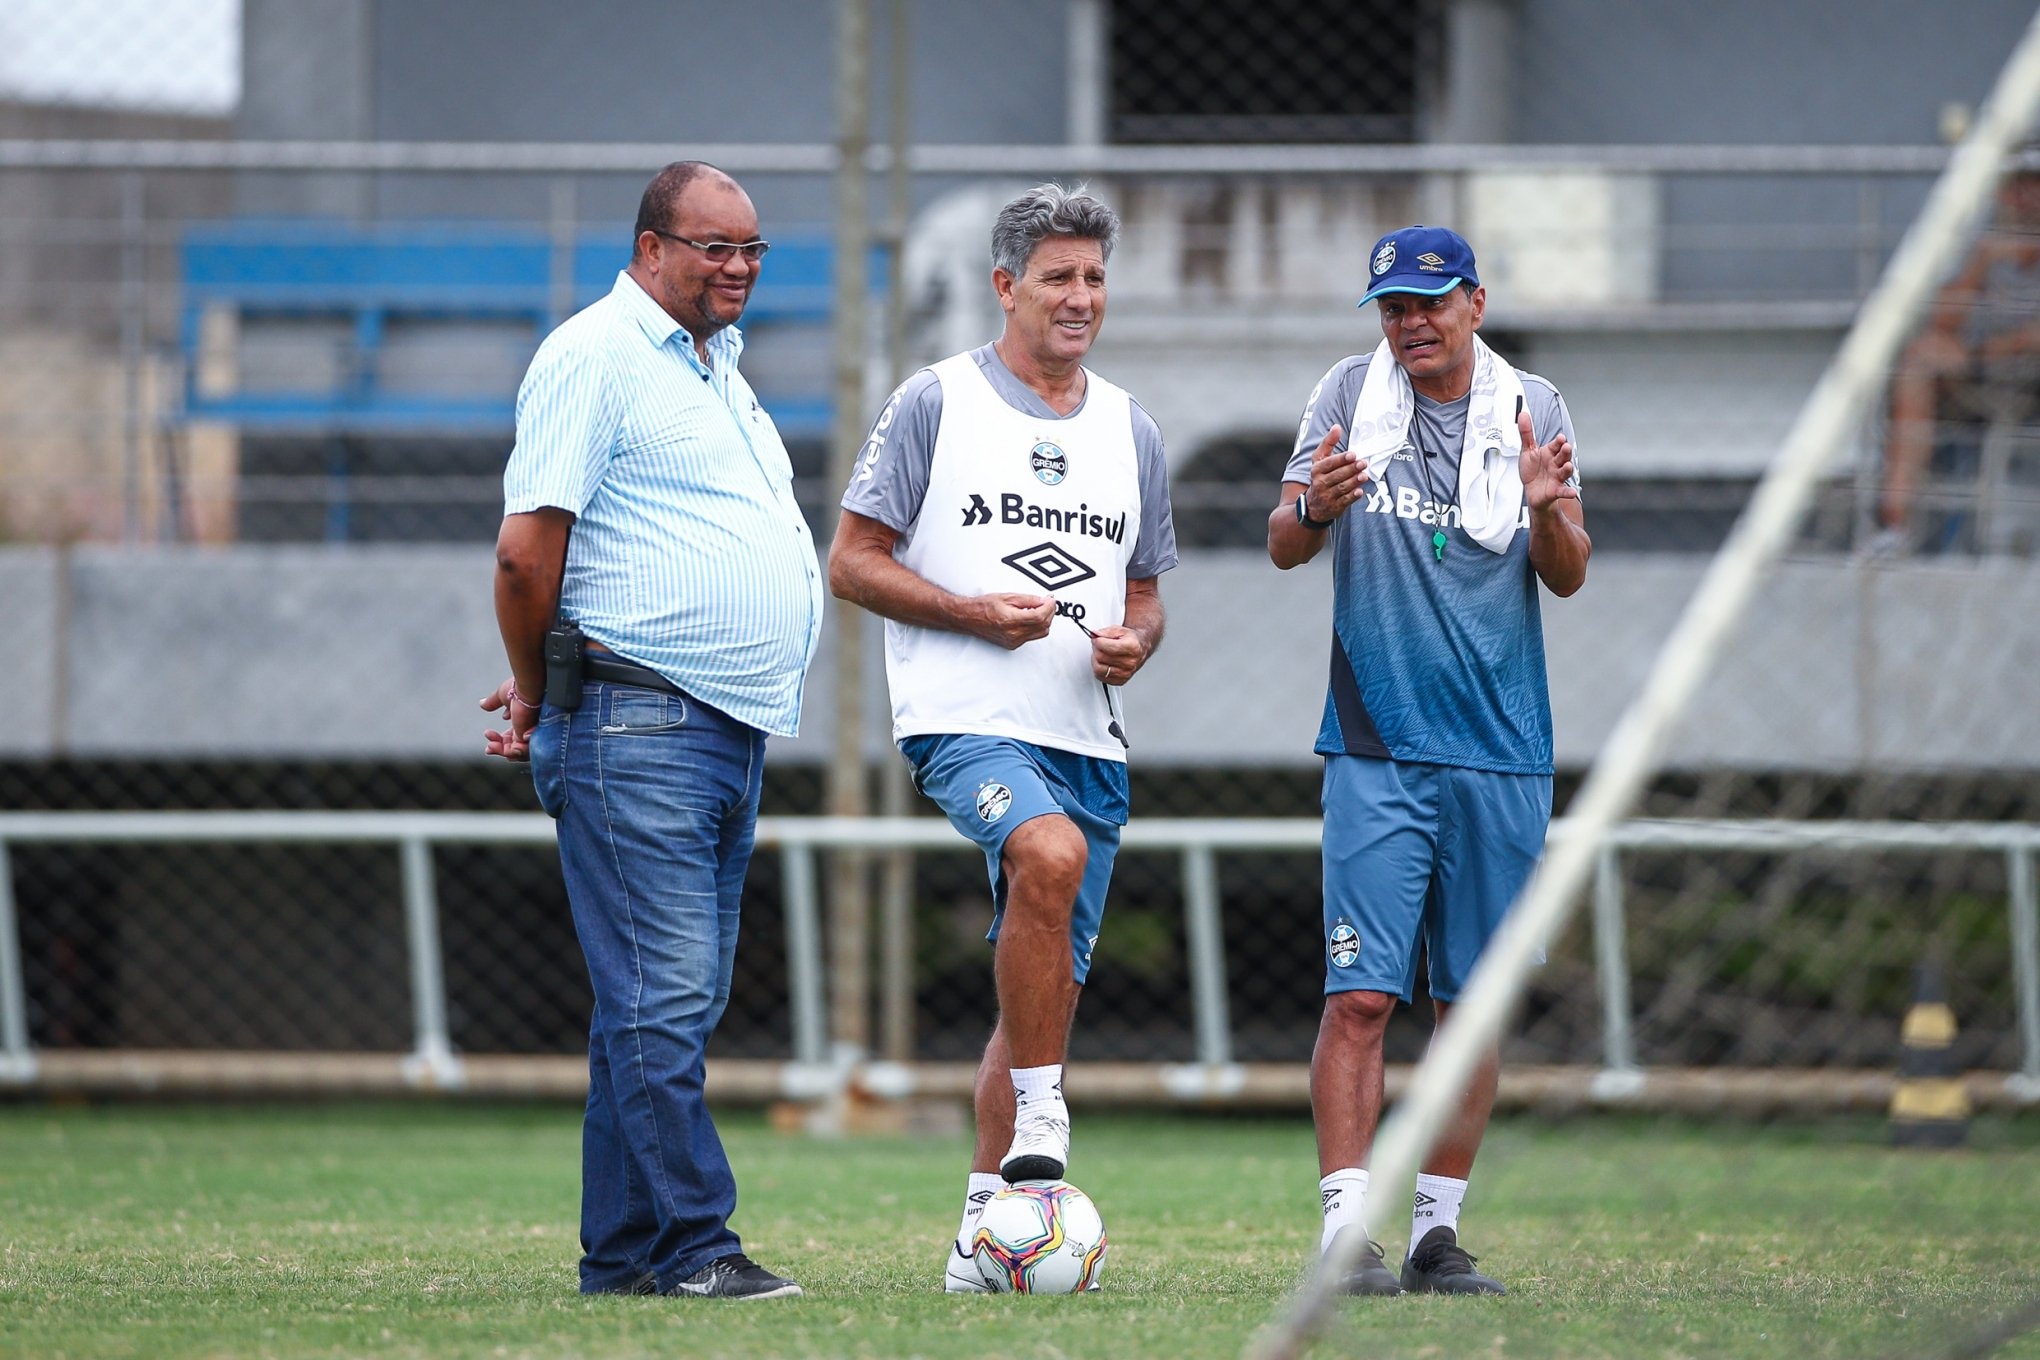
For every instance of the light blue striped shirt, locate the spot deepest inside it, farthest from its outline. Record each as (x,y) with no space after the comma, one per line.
(688,553)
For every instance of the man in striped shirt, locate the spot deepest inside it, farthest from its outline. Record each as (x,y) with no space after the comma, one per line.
(692,579)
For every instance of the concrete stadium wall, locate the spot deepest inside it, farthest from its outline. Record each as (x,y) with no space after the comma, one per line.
(381,654)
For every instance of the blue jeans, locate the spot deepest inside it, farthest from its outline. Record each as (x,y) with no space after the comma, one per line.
(656,796)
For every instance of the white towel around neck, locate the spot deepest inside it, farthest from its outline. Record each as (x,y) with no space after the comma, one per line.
(1490,482)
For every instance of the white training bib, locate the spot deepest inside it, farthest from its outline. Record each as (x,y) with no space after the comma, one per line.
(1025,505)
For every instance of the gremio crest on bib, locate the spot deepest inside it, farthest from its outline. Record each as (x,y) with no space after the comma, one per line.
(1049,462)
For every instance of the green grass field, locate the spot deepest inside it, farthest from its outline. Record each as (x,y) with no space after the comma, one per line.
(448,1230)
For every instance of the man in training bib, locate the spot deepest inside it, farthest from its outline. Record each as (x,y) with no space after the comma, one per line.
(1008,517)
(1443,480)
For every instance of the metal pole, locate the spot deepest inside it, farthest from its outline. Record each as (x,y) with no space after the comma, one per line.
(805,1000)
(1619,1075)
(17,1062)
(849,896)
(896,883)
(133,305)
(2026,969)
(431,1062)
(1207,957)
(896,927)
(564,229)
(1869,234)
(1089,37)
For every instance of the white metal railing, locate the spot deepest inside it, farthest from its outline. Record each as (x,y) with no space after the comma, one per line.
(433,1060)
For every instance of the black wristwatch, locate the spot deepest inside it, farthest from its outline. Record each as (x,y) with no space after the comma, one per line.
(1303,516)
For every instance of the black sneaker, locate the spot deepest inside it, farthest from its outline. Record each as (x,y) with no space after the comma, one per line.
(1371,1277)
(644,1284)
(1439,1265)
(736,1276)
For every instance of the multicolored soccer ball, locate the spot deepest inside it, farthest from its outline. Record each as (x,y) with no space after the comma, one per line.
(1040,1237)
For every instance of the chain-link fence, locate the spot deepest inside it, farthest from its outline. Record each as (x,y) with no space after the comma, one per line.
(255,400)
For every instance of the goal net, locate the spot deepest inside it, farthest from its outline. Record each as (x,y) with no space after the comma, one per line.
(1893,673)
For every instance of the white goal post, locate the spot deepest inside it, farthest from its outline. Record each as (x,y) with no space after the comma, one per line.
(1930,250)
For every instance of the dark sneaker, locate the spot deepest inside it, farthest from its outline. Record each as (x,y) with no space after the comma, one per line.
(1439,1265)
(1372,1275)
(643,1284)
(737,1276)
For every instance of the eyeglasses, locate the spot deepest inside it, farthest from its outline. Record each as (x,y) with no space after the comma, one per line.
(720,251)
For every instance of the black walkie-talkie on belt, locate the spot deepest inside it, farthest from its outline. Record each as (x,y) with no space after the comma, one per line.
(564,648)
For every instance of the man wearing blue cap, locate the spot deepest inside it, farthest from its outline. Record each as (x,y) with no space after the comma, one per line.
(1442,479)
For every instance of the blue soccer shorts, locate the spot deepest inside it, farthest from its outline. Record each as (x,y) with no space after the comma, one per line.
(1418,854)
(990,785)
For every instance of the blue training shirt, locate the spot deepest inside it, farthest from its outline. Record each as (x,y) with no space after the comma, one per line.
(688,554)
(1435,657)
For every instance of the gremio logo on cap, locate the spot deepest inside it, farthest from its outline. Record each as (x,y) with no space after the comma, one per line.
(1384,258)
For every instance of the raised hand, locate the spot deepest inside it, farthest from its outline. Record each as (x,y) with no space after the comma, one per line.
(1547,469)
(1337,478)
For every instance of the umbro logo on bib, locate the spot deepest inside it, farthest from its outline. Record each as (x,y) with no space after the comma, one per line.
(1049,566)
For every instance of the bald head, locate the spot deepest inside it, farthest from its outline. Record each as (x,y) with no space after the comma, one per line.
(691,215)
(661,202)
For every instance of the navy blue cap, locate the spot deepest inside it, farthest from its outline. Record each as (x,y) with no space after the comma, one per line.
(1427,260)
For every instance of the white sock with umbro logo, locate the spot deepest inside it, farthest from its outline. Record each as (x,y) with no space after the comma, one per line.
(1031,1084)
(983,1185)
(1341,1194)
(1436,1206)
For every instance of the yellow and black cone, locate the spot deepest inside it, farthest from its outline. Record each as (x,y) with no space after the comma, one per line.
(1930,1108)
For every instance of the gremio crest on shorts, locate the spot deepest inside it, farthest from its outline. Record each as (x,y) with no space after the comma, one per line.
(1049,462)
(992,801)
(1342,944)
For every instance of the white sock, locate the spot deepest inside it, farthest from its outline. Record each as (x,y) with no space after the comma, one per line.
(1341,1194)
(1436,1206)
(983,1185)
(1037,1083)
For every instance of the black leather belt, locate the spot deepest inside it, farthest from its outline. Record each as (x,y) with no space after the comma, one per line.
(596,666)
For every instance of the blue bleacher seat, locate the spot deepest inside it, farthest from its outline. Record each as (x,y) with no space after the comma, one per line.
(369,276)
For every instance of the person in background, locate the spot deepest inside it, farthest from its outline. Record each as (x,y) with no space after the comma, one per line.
(1980,341)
